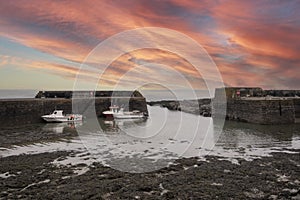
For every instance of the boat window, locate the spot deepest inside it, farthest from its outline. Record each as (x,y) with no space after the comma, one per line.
(55,113)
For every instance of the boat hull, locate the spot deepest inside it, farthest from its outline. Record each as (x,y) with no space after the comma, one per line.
(108,115)
(121,114)
(128,116)
(62,119)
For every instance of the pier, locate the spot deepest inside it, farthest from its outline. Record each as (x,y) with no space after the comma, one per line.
(255,105)
(30,110)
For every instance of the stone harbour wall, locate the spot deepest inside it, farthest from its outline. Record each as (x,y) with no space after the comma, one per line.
(297,108)
(85,94)
(259,111)
(282,93)
(23,111)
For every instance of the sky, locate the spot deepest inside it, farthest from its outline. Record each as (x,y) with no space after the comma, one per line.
(45,44)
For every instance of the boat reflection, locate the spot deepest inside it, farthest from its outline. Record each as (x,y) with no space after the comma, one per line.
(61,127)
(116,125)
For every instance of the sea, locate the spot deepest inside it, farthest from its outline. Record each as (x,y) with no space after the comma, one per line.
(11,94)
(149,144)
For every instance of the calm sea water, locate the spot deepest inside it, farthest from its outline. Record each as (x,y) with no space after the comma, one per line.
(10,94)
(149,144)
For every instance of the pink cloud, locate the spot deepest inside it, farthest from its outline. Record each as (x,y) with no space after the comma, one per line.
(252,42)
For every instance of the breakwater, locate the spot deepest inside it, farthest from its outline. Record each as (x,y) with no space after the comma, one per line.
(255,105)
(252,105)
(30,110)
(260,111)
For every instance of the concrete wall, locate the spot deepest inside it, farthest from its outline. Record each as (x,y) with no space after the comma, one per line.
(282,93)
(297,108)
(259,111)
(256,108)
(231,92)
(278,111)
(84,94)
(24,111)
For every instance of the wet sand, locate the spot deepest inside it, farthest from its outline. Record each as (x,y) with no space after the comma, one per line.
(35,176)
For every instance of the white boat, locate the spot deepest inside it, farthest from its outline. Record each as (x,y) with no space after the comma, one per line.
(121,114)
(58,116)
(115,112)
(110,113)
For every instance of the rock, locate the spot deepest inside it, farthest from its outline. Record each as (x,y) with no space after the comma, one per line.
(198,107)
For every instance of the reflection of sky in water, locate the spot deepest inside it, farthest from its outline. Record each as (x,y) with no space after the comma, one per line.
(145,145)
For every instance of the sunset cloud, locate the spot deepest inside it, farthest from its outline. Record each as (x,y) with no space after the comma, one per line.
(253,43)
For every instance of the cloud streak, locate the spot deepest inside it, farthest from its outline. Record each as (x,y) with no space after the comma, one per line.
(254,43)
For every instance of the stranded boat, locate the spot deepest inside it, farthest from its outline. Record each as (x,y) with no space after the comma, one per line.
(58,116)
(115,112)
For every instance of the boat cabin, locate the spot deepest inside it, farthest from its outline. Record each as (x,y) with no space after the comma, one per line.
(114,109)
(58,113)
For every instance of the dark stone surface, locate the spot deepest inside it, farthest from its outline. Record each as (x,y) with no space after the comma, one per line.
(259,106)
(258,111)
(34,177)
(297,107)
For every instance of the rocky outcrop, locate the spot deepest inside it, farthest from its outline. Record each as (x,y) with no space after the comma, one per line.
(198,107)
